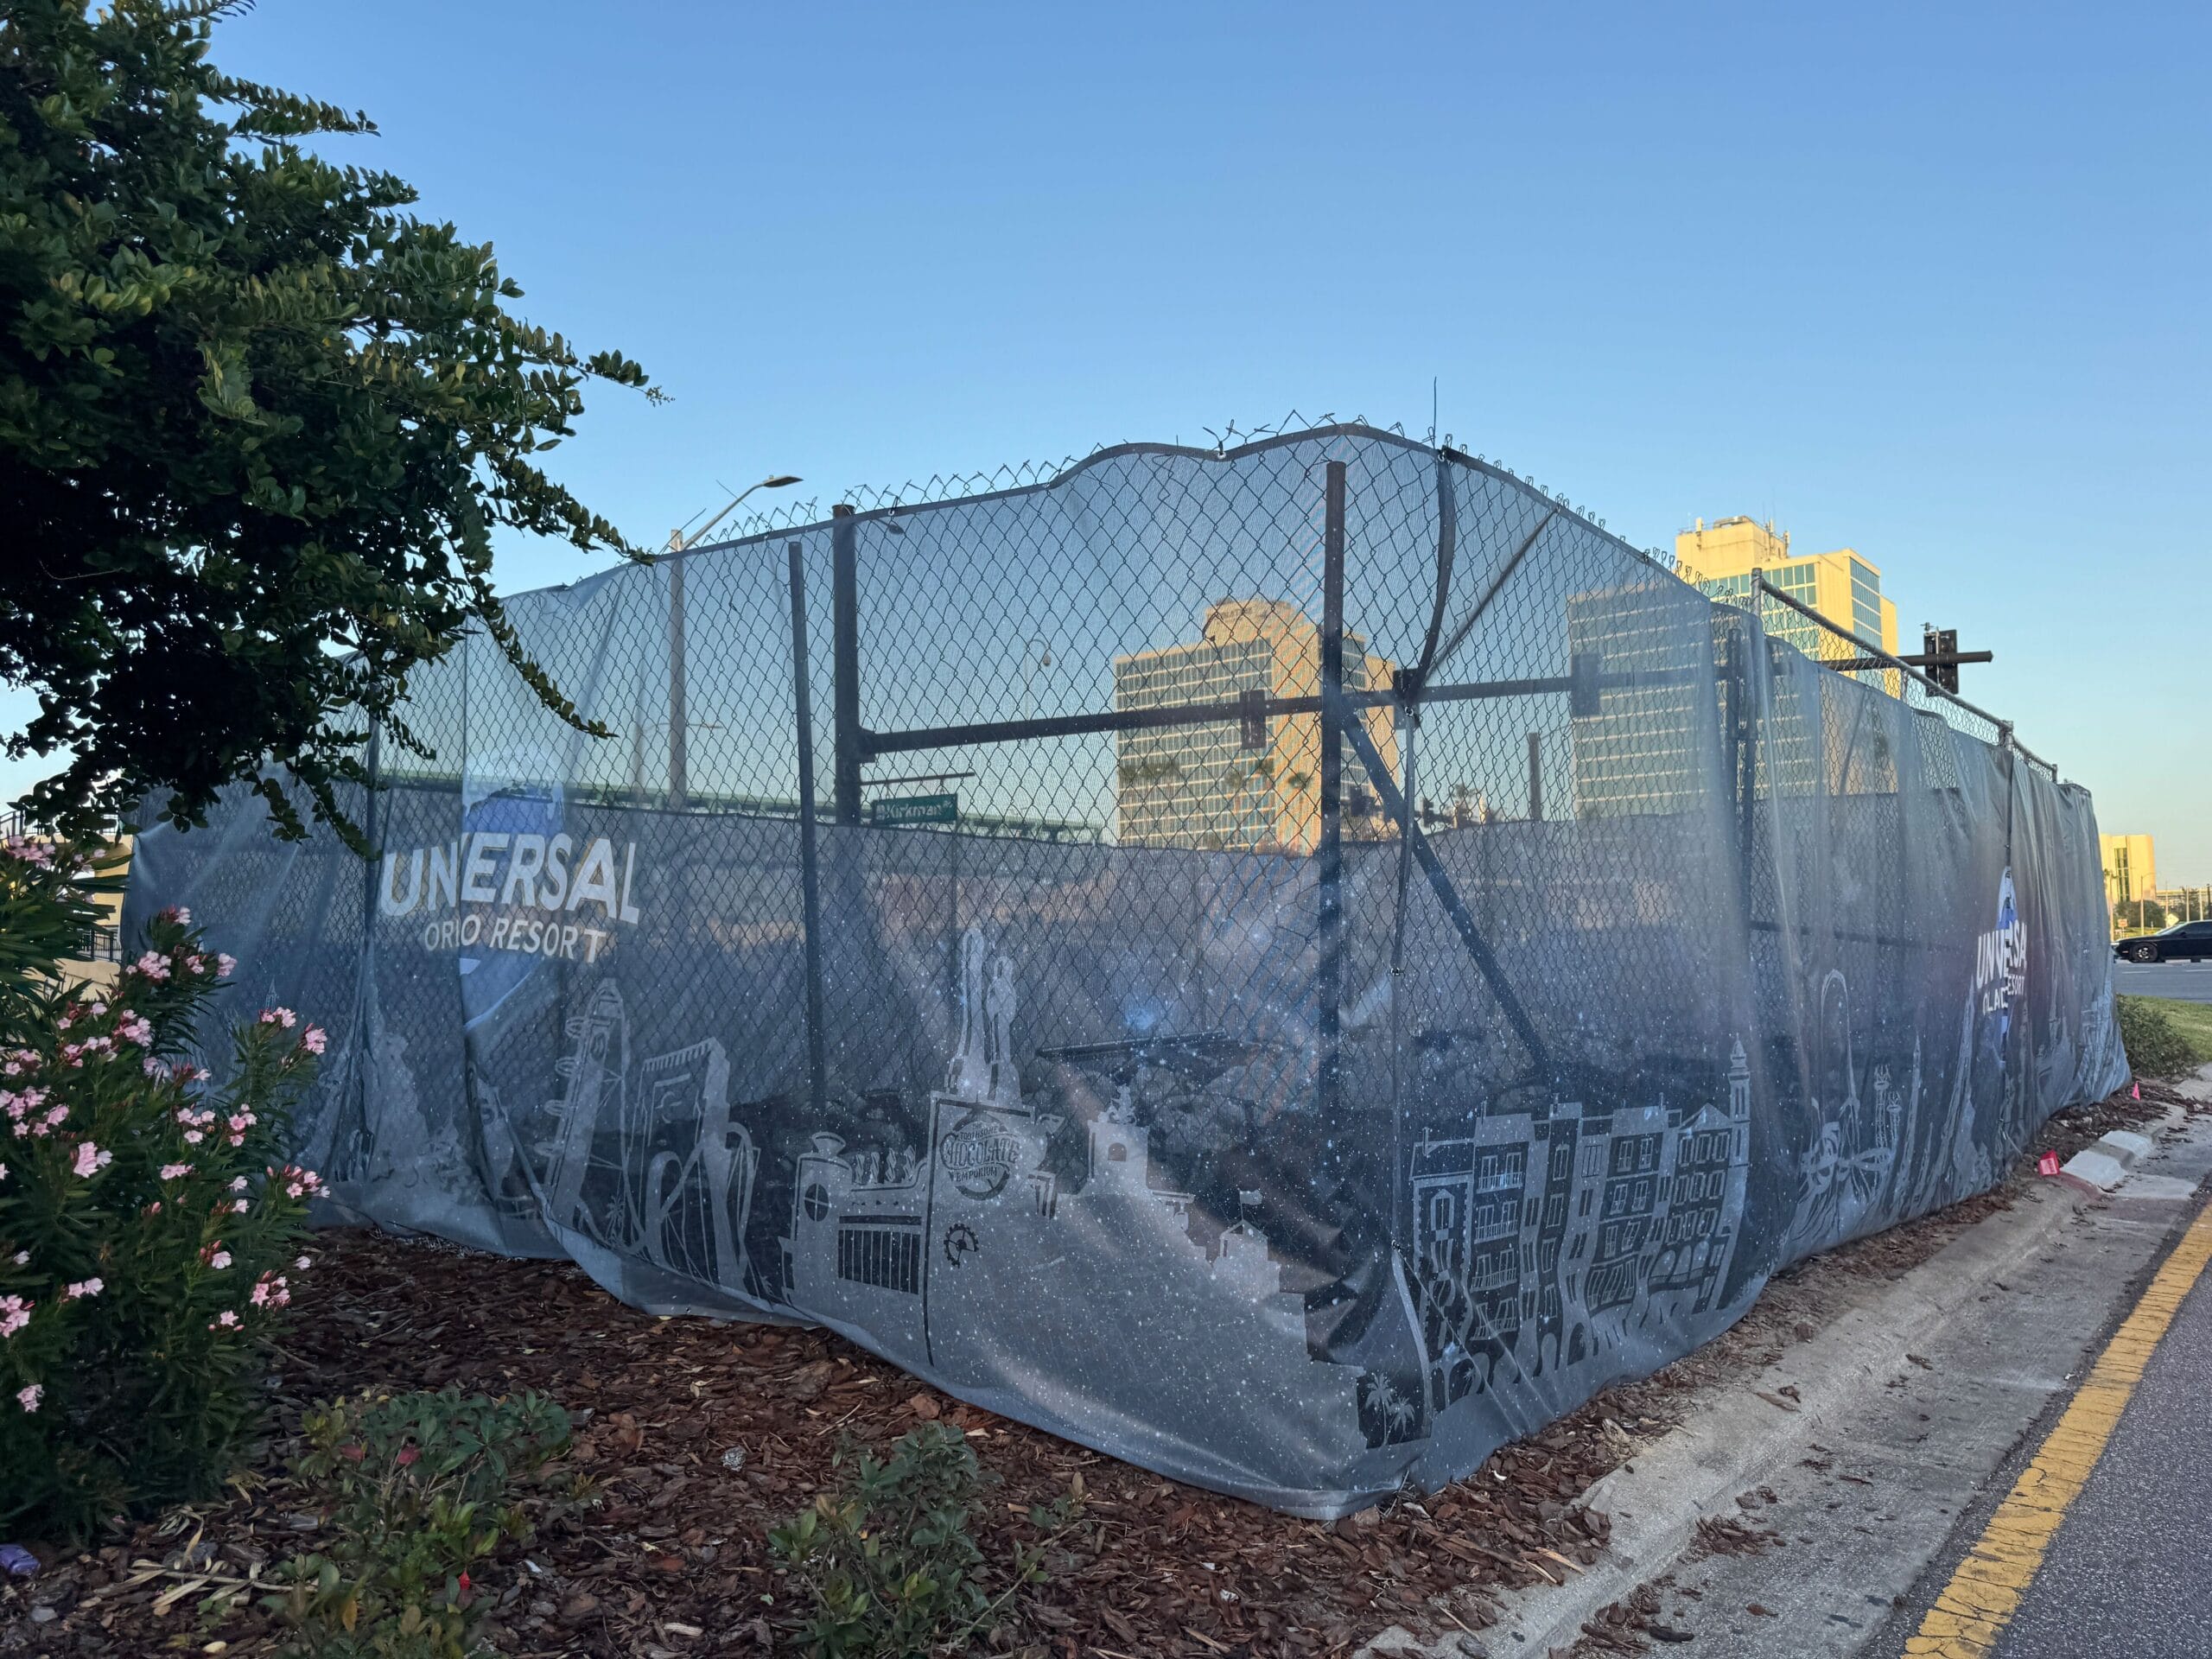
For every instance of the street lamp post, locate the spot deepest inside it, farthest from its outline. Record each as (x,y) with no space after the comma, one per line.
(679,752)
(1029,669)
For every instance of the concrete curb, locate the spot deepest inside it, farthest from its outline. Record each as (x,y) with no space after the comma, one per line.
(1656,1501)
(2104,1164)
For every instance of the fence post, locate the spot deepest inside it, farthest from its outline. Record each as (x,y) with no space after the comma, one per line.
(1535,777)
(1329,851)
(810,879)
(361,1038)
(371,764)
(1745,643)
(845,660)
(679,714)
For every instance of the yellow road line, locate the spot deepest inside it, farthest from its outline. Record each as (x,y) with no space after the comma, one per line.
(1986,1590)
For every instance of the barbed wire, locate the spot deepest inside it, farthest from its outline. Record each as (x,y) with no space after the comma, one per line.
(942,487)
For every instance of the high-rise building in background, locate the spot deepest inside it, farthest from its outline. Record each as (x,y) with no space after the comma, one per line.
(1718,559)
(1647,748)
(2131,871)
(1199,785)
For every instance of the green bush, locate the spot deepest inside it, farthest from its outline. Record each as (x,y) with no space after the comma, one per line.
(148,1238)
(2157,1046)
(419,1488)
(888,1565)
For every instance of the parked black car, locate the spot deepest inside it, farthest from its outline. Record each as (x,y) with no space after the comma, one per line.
(2183,942)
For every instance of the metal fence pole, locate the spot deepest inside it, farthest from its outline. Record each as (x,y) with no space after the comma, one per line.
(810,879)
(1535,777)
(1744,644)
(361,1037)
(371,763)
(1329,851)
(845,660)
(679,716)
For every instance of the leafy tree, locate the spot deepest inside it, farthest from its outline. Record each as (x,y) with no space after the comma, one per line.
(2140,916)
(257,424)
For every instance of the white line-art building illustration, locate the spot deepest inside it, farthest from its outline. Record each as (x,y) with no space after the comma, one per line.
(1540,1238)
(651,1164)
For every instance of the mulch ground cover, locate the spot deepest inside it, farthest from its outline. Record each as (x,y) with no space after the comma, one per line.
(701,1436)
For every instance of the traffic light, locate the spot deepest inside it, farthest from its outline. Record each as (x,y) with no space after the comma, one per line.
(1940,651)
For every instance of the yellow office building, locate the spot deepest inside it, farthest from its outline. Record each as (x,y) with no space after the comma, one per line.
(1199,785)
(2131,872)
(1718,560)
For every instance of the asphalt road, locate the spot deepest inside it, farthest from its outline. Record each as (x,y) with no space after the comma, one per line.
(2185,982)
(2131,1569)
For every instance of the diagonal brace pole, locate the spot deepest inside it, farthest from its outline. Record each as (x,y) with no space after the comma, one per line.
(1395,804)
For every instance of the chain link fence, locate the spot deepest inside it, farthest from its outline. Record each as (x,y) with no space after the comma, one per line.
(1292,963)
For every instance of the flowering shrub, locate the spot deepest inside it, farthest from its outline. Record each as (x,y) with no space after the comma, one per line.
(419,1489)
(149,1235)
(887,1567)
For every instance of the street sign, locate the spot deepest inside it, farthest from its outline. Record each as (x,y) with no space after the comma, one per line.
(914,809)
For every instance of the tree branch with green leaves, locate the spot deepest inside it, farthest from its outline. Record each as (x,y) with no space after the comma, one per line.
(258,426)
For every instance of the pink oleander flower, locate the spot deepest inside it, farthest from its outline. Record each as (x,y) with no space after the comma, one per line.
(183,917)
(227,1319)
(90,1158)
(29,1398)
(21,1256)
(175,1171)
(240,1206)
(82,1287)
(4,1171)
(298,1183)
(284,1017)
(98,1008)
(196,963)
(315,1040)
(238,1185)
(138,1029)
(192,1137)
(225,963)
(300,1265)
(155,1208)
(15,1314)
(154,966)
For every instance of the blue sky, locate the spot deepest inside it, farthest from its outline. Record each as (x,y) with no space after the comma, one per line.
(1926,281)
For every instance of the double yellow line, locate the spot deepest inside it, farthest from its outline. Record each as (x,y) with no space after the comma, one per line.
(1985,1591)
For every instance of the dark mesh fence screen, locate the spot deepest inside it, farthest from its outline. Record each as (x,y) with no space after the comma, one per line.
(1292,966)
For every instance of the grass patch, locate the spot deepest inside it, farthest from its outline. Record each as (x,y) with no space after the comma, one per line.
(2164,1037)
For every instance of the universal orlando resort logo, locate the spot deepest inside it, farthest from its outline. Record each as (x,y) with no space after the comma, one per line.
(548,890)
(2001,958)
